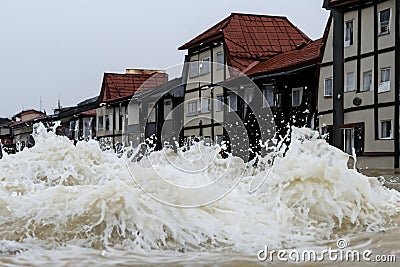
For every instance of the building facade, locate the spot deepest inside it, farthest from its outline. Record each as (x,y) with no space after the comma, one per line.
(217,94)
(117,91)
(157,113)
(358,96)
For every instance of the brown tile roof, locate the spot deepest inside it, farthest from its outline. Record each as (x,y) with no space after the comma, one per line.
(28,112)
(91,112)
(36,119)
(309,54)
(117,86)
(249,37)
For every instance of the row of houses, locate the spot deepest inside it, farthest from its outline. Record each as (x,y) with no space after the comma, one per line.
(249,67)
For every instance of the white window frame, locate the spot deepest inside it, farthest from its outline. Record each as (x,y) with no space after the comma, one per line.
(220,65)
(367,73)
(266,91)
(384,85)
(345,140)
(391,130)
(325,80)
(192,111)
(300,90)
(204,62)
(194,69)
(102,122)
(233,95)
(350,84)
(205,104)
(387,31)
(219,103)
(278,100)
(349,39)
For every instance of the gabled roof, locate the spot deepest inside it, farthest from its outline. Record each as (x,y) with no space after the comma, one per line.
(309,54)
(159,91)
(28,112)
(335,3)
(117,86)
(249,37)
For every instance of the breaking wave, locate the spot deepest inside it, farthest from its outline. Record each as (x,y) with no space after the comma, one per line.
(57,194)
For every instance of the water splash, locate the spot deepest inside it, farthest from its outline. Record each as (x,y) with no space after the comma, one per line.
(57,194)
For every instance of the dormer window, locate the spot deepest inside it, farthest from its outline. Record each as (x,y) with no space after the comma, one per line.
(384,21)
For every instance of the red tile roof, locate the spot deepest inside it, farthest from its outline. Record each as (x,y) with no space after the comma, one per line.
(28,112)
(309,54)
(91,112)
(117,86)
(250,37)
(26,121)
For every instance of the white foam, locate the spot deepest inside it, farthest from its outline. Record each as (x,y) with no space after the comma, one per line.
(60,194)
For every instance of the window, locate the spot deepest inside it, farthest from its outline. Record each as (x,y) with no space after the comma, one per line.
(168,109)
(386,129)
(107,119)
(194,69)
(350,82)
(232,101)
(205,66)
(268,93)
(100,123)
(220,60)
(220,103)
(121,122)
(278,100)
(384,86)
(328,87)
(348,140)
(348,33)
(297,95)
(384,21)
(192,108)
(367,81)
(248,98)
(219,139)
(205,104)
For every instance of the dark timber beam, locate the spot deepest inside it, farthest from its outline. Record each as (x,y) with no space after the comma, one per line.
(338,76)
(397,86)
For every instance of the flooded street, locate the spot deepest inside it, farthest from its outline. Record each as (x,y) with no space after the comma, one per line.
(67,205)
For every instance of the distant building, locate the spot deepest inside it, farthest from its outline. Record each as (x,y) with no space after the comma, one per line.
(78,122)
(22,127)
(358,97)
(241,42)
(6,141)
(116,92)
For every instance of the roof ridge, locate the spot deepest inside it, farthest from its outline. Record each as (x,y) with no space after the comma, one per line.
(257,15)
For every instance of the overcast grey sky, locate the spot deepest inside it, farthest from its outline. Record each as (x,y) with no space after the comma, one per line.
(53,48)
